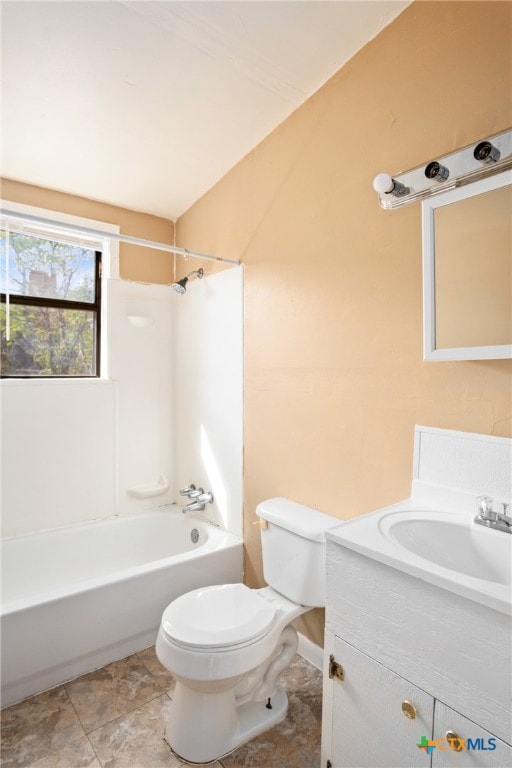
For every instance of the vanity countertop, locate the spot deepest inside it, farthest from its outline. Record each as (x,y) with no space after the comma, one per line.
(432,536)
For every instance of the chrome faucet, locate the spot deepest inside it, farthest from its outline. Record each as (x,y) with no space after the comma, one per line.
(487,515)
(196,493)
(188,490)
(200,500)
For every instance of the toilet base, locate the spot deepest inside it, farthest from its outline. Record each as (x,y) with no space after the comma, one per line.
(250,720)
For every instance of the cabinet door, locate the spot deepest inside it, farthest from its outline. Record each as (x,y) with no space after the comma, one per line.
(477,749)
(369,726)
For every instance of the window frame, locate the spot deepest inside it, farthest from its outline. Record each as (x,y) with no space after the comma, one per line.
(53,303)
(109,271)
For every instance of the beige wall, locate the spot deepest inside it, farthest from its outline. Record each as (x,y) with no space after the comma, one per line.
(135,263)
(334,377)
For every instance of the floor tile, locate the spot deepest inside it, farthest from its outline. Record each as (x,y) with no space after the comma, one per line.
(112,691)
(150,660)
(136,740)
(37,726)
(76,754)
(124,706)
(302,676)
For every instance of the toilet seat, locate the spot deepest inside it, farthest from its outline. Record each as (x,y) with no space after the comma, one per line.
(224,616)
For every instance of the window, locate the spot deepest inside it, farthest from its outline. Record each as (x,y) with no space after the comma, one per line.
(50,305)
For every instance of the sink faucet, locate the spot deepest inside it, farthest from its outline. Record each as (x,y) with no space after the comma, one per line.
(487,515)
(199,501)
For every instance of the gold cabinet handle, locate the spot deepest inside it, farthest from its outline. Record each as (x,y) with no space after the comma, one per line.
(409,709)
(454,741)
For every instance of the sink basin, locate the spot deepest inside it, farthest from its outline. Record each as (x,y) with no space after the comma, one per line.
(440,545)
(454,544)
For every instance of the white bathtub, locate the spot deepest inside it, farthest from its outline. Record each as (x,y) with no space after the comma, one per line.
(78,597)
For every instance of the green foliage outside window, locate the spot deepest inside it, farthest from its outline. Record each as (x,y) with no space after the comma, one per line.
(52,325)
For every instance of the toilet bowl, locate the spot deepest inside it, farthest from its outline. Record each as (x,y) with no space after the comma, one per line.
(227,690)
(227,645)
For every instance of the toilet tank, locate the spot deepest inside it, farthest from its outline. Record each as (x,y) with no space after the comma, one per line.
(293,546)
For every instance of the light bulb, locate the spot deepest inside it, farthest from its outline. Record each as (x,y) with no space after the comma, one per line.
(384,184)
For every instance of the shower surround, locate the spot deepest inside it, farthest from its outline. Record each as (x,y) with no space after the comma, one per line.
(169,413)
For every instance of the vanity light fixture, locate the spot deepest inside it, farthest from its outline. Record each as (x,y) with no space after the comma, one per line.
(471,163)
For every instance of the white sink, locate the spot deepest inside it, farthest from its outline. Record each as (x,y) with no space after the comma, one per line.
(440,546)
(456,544)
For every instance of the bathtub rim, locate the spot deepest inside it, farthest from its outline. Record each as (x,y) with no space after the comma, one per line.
(217,538)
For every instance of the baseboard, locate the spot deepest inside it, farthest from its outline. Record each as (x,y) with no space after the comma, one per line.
(311,651)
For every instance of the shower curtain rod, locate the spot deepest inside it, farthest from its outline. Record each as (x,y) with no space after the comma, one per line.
(114,236)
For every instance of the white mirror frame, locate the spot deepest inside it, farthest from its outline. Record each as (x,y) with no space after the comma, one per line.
(491,352)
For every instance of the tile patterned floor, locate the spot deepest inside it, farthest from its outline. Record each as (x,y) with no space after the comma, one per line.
(114,718)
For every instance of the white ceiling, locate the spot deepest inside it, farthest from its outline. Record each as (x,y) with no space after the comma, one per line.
(148,104)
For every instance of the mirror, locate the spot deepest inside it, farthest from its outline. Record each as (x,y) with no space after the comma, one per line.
(467,271)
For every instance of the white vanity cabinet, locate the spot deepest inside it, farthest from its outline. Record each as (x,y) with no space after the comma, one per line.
(377,717)
(413,656)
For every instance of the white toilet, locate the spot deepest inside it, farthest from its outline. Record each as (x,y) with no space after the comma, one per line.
(227,645)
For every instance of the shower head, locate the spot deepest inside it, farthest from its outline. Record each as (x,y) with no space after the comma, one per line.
(180,286)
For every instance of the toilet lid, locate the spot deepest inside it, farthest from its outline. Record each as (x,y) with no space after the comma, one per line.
(218,616)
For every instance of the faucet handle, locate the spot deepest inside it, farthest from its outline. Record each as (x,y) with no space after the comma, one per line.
(194,494)
(187,490)
(506,508)
(485,508)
